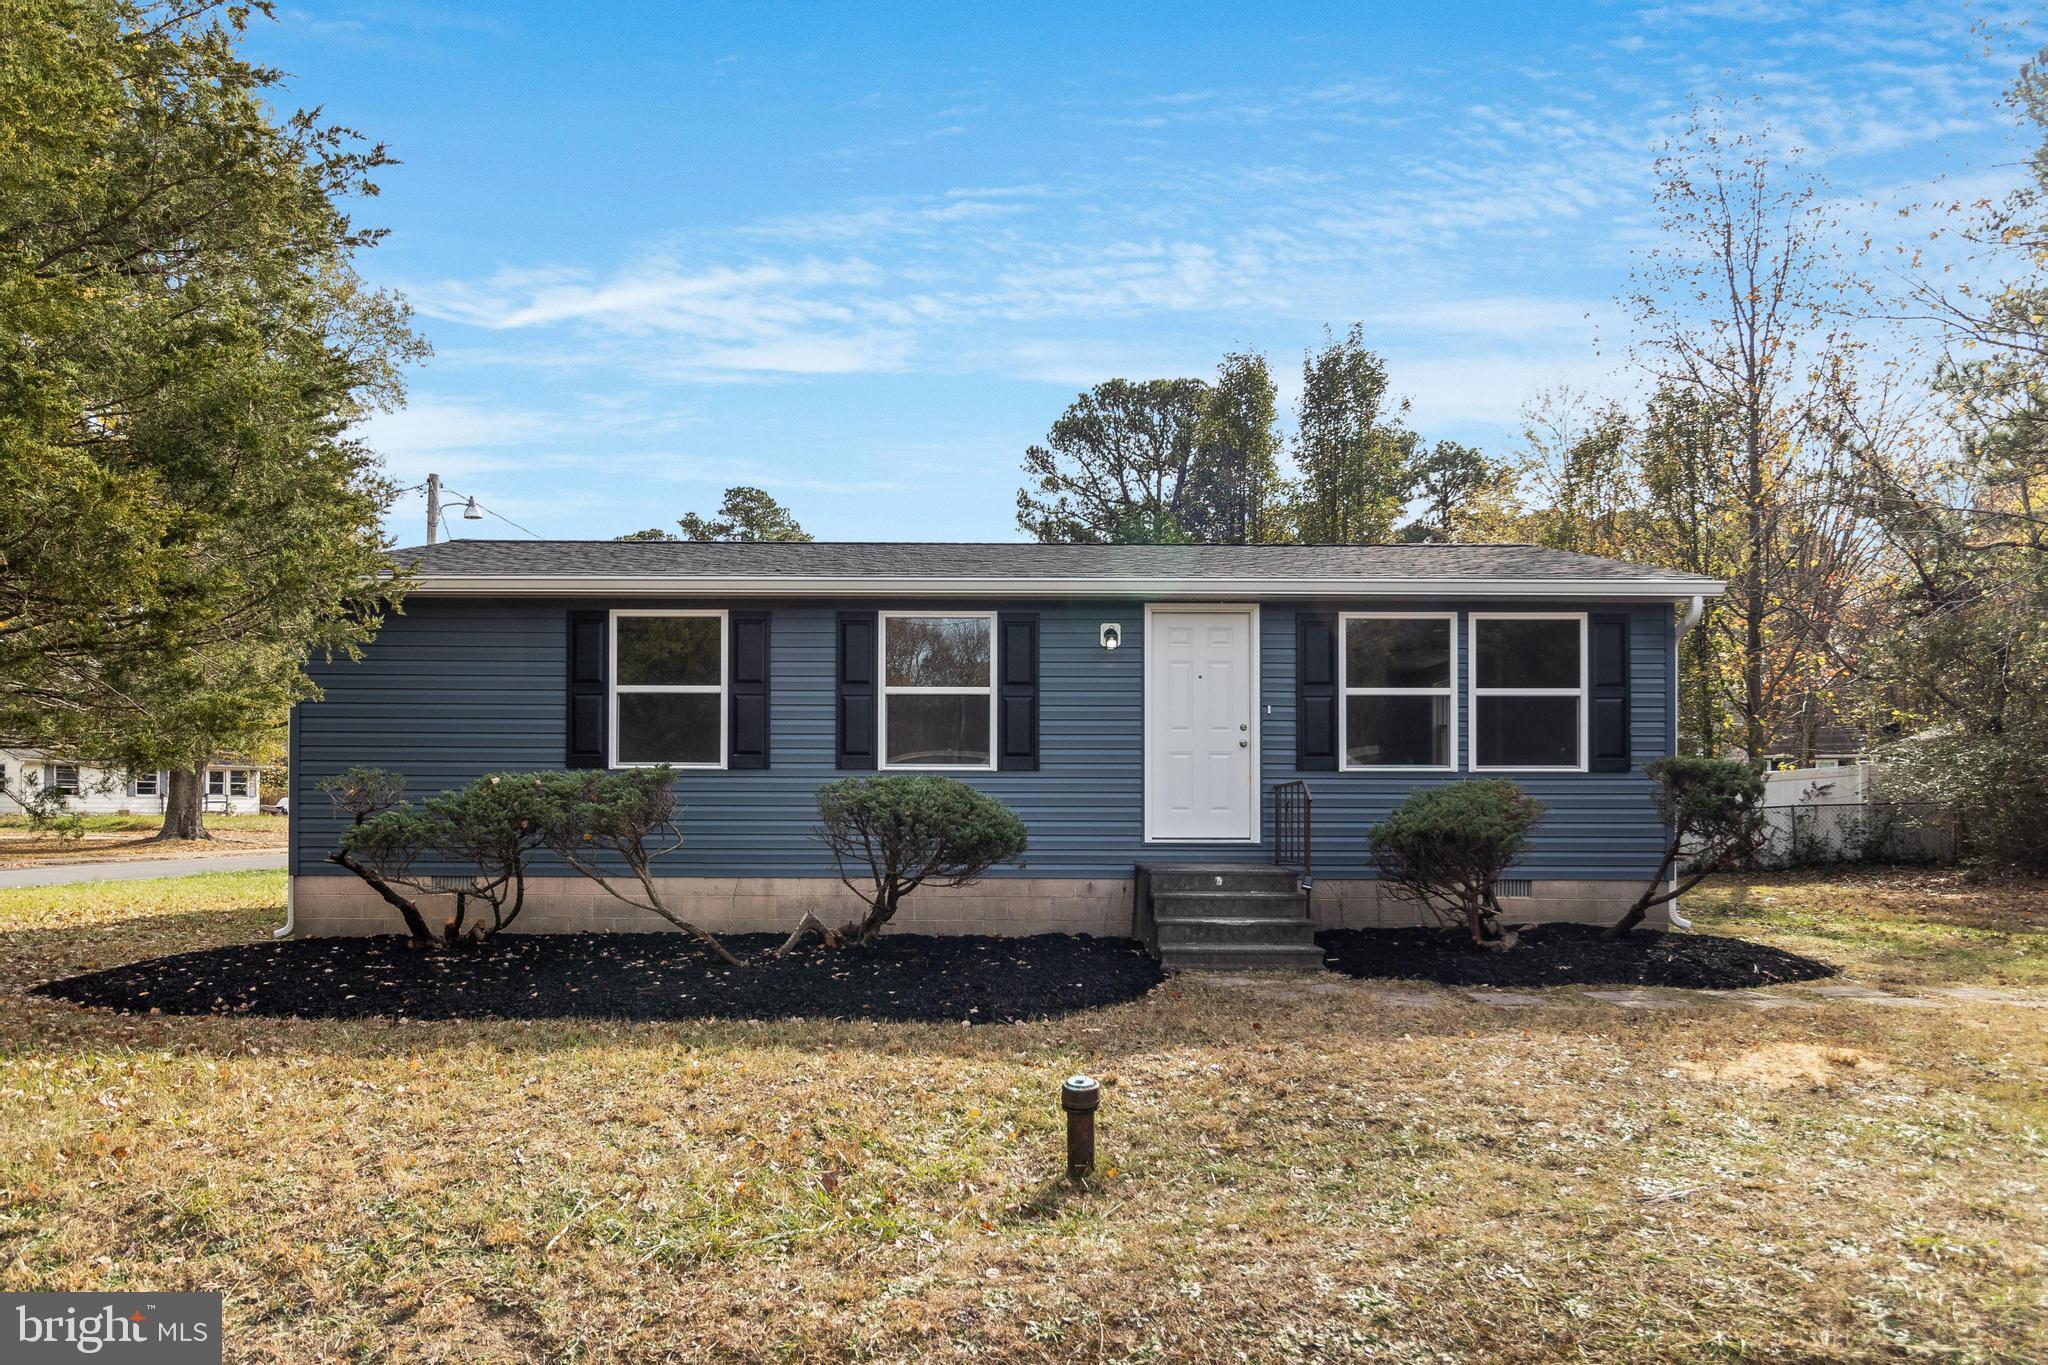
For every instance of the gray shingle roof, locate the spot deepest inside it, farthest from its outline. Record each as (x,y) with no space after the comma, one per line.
(447,565)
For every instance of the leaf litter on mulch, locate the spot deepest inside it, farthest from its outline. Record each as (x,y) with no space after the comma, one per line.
(1566,955)
(905,977)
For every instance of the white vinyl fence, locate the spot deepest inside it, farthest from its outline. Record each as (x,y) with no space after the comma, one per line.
(1839,815)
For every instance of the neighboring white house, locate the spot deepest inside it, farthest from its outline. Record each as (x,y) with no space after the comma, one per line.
(231,786)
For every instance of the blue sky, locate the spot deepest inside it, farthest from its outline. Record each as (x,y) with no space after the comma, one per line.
(863,255)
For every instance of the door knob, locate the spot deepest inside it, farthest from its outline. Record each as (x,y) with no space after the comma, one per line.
(1244,744)
(1244,727)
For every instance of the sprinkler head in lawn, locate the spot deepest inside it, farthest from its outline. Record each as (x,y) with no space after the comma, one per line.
(1079,1097)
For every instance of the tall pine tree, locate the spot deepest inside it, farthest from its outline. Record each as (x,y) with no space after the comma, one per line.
(183,513)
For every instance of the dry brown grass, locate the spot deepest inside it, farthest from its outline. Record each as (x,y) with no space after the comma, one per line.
(1289,1174)
(1893,927)
(1786,1066)
(118,838)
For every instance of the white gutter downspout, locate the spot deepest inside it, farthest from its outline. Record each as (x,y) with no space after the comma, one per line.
(291,826)
(1691,618)
(286,930)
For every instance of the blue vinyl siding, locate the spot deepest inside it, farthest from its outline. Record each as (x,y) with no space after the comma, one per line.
(454,689)
(1600,826)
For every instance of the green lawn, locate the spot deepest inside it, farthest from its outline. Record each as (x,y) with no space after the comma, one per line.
(121,837)
(120,824)
(1288,1173)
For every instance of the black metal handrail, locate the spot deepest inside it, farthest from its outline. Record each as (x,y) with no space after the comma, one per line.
(1294,829)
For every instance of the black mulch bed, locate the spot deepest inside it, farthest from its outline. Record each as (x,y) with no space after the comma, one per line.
(1567,955)
(631,976)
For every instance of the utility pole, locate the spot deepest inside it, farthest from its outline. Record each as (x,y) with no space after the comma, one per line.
(433,508)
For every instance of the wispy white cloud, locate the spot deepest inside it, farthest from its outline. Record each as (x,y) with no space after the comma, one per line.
(1479,218)
(804,315)
(750,301)
(1502,316)
(1351,100)
(1078,362)
(866,353)
(453,437)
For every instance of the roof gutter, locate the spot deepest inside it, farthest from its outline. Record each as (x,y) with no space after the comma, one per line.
(1151,589)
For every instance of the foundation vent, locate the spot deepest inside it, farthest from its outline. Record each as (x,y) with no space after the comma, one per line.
(1514,888)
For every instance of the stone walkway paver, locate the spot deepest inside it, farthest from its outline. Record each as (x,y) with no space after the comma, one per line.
(1234,980)
(1870,995)
(1795,996)
(1800,995)
(1765,1000)
(1419,1000)
(1989,995)
(1642,998)
(1515,1000)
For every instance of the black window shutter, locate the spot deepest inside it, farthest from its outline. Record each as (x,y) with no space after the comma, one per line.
(1607,749)
(747,690)
(1315,692)
(857,690)
(1017,691)
(587,651)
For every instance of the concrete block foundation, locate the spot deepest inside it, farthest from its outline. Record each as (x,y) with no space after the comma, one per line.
(1363,904)
(328,906)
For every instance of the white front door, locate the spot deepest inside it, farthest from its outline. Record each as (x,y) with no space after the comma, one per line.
(1199,742)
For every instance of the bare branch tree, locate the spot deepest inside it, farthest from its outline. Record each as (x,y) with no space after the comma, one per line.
(1743,306)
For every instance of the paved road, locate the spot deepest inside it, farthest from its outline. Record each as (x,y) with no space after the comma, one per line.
(133,869)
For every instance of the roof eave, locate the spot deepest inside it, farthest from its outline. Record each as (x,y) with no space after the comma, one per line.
(1153,589)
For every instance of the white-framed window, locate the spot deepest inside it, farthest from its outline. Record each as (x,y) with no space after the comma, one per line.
(145,784)
(668,688)
(1400,703)
(938,671)
(216,781)
(1528,691)
(64,778)
(238,782)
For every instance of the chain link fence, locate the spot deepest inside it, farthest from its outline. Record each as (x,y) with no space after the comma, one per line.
(1816,834)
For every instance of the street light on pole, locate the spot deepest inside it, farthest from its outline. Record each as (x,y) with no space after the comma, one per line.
(472,510)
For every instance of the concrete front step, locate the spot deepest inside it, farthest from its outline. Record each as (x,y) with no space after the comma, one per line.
(1168,878)
(1259,957)
(1277,901)
(1234,916)
(1232,904)
(1179,930)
